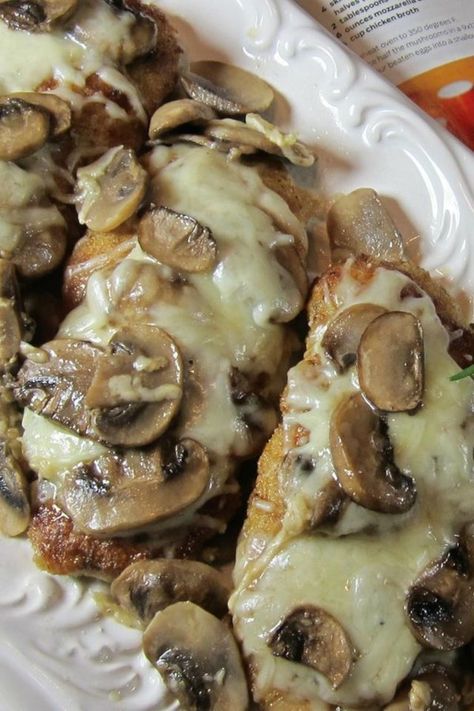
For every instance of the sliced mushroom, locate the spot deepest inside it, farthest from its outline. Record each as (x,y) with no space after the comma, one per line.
(290,148)
(235,133)
(309,635)
(59,110)
(14,504)
(197,657)
(33,234)
(177,240)
(390,362)
(24,128)
(136,388)
(175,114)
(440,604)
(359,223)
(11,323)
(328,505)
(233,150)
(226,88)
(42,250)
(342,336)
(363,459)
(433,690)
(121,493)
(110,190)
(146,587)
(430,690)
(35,16)
(56,388)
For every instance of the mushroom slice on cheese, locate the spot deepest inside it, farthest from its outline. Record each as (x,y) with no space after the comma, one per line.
(390,362)
(177,114)
(440,604)
(363,459)
(226,88)
(136,388)
(197,657)
(146,587)
(58,109)
(110,190)
(122,492)
(24,128)
(176,240)
(342,336)
(55,386)
(311,636)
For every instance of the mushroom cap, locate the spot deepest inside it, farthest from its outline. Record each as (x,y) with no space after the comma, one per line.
(363,459)
(174,114)
(24,128)
(309,635)
(123,492)
(390,362)
(197,657)
(440,604)
(137,386)
(146,587)
(110,190)
(226,88)
(342,336)
(59,110)
(56,387)
(177,240)
(360,224)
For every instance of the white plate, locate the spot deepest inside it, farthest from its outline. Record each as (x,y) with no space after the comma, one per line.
(56,652)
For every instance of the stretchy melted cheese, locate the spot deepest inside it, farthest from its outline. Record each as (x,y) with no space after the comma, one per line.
(362,578)
(221,319)
(93,41)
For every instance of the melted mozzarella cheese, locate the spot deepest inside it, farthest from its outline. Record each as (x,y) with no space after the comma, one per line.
(220,320)
(24,208)
(361,568)
(93,41)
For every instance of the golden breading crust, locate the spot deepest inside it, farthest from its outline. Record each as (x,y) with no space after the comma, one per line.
(61,550)
(264,522)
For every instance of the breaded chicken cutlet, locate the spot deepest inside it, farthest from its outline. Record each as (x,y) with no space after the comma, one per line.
(355,568)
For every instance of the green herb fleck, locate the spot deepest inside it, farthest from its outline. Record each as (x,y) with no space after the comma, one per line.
(466,373)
